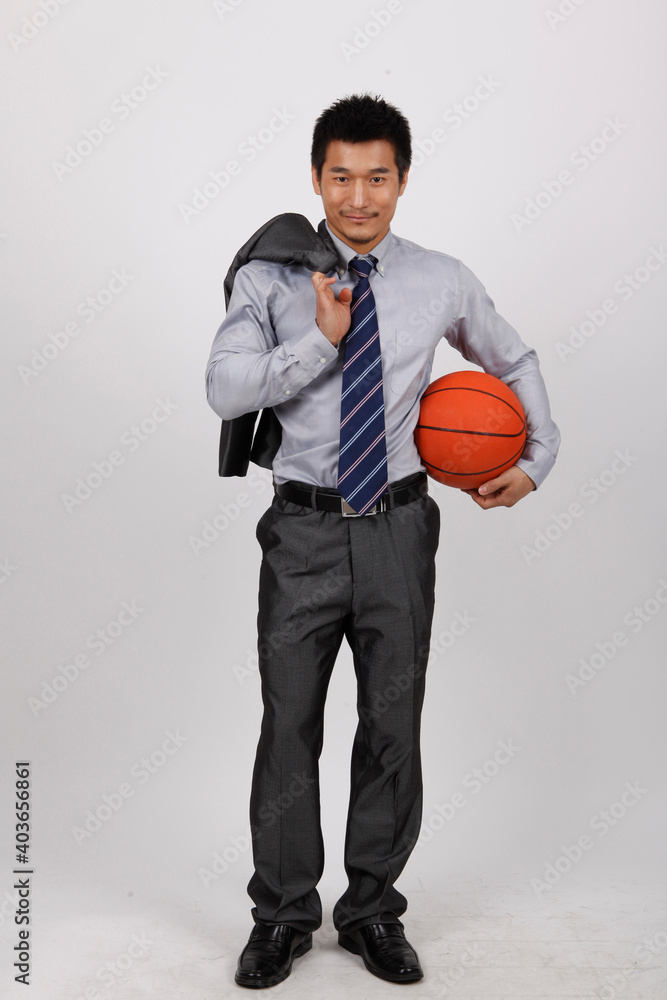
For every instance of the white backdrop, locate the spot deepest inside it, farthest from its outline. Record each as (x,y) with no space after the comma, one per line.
(142,144)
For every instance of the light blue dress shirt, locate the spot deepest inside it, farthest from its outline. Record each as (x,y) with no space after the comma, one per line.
(269,351)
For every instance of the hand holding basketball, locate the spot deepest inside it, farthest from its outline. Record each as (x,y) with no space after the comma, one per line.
(503,491)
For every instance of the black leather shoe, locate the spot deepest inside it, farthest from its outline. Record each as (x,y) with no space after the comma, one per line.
(267,958)
(385,952)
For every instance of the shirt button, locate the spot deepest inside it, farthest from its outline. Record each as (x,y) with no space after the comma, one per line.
(323,361)
(287,392)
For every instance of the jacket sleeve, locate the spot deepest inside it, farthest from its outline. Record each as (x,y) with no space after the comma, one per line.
(486,339)
(247,368)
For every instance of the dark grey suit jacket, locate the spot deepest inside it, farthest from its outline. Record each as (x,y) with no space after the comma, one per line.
(285,239)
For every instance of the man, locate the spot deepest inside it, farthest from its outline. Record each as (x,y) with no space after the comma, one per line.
(350,538)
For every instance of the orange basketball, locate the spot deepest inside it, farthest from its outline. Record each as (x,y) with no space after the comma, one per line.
(471,428)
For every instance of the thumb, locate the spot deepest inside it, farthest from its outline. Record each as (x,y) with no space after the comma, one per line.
(345,296)
(490,486)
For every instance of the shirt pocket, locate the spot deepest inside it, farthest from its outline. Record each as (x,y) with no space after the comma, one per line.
(407,365)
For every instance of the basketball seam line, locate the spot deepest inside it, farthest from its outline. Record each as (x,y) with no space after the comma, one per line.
(473,472)
(461,388)
(462,430)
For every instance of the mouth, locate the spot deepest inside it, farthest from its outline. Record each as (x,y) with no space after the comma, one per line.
(358,218)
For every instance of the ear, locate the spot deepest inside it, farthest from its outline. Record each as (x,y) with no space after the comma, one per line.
(403,182)
(316,184)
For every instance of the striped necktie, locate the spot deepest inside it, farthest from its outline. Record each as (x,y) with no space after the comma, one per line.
(362,461)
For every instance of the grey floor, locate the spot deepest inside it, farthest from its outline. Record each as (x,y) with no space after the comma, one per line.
(476,941)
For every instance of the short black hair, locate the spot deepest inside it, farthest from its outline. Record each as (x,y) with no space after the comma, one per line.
(362,118)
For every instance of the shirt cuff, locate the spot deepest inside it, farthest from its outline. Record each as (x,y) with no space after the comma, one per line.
(315,352)
(536,462)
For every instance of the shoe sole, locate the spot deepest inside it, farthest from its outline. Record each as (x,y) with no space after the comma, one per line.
(350,945)
(259,984)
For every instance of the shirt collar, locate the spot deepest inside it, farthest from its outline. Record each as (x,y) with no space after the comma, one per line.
(346,253)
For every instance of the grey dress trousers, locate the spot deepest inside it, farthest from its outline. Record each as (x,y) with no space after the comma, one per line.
(323,577)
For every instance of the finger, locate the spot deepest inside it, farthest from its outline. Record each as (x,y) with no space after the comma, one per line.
(320,280)
(345,296)
(480,501)
(492,486)
(496,500)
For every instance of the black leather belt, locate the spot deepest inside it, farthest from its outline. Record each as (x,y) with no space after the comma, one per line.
(320,498)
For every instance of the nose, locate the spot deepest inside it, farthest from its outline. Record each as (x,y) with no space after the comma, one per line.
(358,194)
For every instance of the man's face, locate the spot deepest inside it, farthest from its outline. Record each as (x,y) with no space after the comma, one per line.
(359,188)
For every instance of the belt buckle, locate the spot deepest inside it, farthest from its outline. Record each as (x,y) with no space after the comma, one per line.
(348,511)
